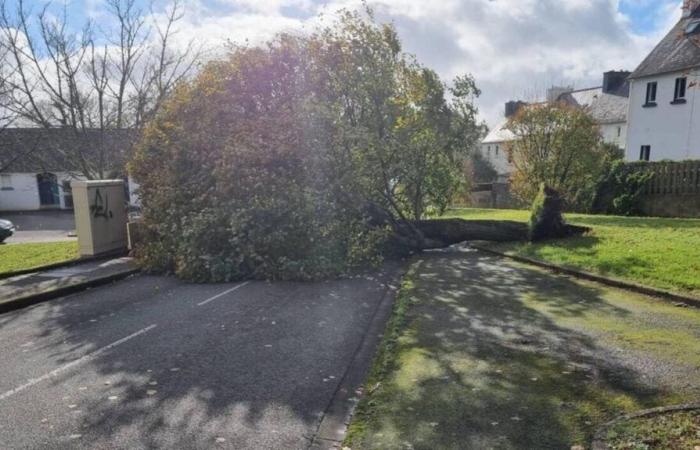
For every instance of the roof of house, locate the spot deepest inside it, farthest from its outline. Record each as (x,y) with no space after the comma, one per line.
(604,108)
(34,150)
(677,51)
(499,134)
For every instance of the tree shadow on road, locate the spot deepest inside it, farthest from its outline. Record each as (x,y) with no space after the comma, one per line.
(484,364)
(255,369)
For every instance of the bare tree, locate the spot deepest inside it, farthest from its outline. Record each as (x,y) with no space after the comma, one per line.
(7,117)
(94,81)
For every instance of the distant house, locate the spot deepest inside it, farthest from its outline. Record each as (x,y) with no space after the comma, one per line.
(664,109)
(36,174)
(607,104)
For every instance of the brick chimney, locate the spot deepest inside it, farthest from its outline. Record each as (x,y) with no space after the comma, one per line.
(689,6)
(513,107)
(615,82)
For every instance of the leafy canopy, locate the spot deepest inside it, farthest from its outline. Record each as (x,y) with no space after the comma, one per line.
(558,146)
(268,163)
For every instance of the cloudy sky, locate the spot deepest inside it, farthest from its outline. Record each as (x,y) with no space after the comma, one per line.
(514,48)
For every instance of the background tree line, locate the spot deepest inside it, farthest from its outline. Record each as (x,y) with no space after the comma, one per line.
(109,76)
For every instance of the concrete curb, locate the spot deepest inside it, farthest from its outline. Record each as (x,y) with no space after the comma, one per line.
(614,282)
(23,302)
(599,437)
(336,418)
(60,265)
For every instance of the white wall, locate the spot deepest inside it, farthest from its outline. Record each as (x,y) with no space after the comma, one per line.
(496,153)
(672,131)
(24,195)
(614,133)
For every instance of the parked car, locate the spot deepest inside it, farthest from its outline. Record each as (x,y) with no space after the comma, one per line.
(7,229)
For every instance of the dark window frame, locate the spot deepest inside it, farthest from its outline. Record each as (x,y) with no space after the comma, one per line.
(6,185)
(645,153)
(680,90)
(652,91)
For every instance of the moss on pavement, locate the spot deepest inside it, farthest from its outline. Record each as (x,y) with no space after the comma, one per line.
(498,355)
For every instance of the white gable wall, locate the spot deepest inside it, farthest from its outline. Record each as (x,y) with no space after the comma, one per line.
(672,131)
(22,195)
(614,133)
(496,154)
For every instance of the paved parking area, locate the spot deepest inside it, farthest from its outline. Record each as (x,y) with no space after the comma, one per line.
(151,362)
(41,226)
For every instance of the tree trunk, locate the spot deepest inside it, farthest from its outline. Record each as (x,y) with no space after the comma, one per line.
(441,233)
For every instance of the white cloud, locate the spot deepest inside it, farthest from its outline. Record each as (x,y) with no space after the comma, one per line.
(513,47)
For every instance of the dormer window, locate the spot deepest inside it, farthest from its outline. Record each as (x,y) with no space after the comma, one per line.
(679,91)
(693,27)
(651,94)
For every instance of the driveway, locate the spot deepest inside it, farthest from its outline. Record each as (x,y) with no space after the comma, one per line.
(41,226)
(151,362)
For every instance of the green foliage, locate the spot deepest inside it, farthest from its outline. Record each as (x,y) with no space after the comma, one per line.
(264,164)
(480,169)
(557,145)
(620,190)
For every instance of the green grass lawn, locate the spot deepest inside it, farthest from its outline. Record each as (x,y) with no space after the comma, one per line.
(16,257)
(662,253)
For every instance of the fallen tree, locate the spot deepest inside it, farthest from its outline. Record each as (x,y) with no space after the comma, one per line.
(305,159)
(546,222)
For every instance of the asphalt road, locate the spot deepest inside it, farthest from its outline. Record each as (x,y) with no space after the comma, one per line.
(151,362)
(41,226)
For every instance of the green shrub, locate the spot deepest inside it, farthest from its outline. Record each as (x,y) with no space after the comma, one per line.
(620,191)
(232,186)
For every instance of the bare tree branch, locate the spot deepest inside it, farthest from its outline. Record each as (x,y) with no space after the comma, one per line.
(92,80)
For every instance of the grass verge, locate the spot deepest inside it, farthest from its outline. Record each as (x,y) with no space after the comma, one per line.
(676,431)
(16,257)
(384,361)
(658,252)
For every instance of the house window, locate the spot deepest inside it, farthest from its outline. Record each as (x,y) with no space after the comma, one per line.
(645,153)
(651,94)
(497,150)
(679,92)
(619,131)
(488,152)
(6,182)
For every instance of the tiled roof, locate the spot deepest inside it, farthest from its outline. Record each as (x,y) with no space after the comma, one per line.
(604,108)
(31,150)
(677,51)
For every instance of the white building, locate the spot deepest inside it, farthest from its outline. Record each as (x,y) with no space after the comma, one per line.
(664,108)
(607,104)
(35,175)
